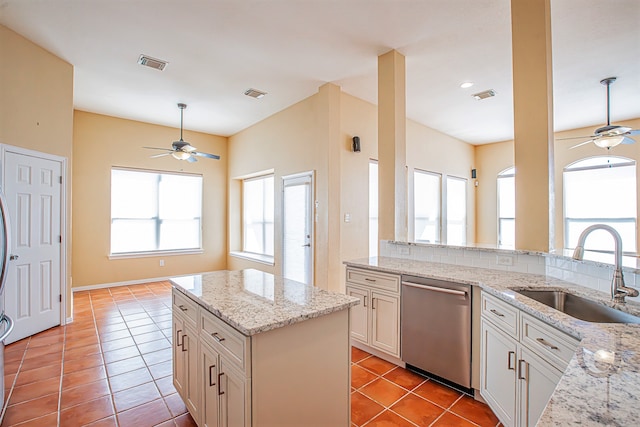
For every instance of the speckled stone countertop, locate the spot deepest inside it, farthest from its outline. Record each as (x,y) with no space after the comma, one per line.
(253,301)
(601,385)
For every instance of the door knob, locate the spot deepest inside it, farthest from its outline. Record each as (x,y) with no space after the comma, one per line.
(13,257)
(307,245)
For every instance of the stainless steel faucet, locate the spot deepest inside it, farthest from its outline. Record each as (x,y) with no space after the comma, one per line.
(618,290)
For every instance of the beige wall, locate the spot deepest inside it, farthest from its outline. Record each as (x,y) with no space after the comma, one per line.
(494,158)
(36,108)
(101,142)
(490,160)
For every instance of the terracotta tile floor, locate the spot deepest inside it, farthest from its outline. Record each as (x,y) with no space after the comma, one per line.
(112,367)
(384,395)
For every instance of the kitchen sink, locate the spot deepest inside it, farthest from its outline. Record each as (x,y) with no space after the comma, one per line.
(579,307)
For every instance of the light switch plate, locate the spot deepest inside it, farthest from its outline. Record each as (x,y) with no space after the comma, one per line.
(504,260)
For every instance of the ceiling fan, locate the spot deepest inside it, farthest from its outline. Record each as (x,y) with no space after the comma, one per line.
(182,150)
(610,135)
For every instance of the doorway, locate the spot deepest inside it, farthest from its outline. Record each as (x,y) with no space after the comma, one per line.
(297,227)
(32,183)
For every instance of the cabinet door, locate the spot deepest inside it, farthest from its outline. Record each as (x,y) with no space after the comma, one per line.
(233,398)
(537,380)
(192,386)
(209,408)
(498,363)
(360,314)
(385,323)
(179,357)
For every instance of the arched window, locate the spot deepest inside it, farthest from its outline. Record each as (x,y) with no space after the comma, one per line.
(600,190)
(507,208)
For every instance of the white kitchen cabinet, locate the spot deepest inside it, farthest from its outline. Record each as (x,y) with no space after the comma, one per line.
(186,378)
(224,402)
(498,375)
(521,361)
(376,320)
(263,379)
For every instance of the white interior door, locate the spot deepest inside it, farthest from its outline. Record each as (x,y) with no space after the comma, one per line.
(32,293)
(297,227)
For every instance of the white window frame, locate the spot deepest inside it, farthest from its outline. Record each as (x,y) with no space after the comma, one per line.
(373,210)
(439,228)
(505,174)
(158,220)
(445,214)
(574,166)
(260,256)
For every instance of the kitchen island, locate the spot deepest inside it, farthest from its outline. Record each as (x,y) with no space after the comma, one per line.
(254,349)
(601,384)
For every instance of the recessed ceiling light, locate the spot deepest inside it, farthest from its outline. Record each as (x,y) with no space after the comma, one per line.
(484,95)
(466,85)
(148,61)
(255,93)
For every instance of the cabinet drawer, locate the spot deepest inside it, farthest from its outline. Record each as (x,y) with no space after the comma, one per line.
(186,307)
(553,345)
(503,315)
(374,279)
(228,341)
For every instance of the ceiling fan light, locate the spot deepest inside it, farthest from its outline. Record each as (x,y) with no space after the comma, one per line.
(180,155)
(609,141)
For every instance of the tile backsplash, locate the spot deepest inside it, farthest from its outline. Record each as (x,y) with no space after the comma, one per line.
(591,274)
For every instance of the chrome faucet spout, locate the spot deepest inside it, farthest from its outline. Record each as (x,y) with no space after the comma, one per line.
(618,289)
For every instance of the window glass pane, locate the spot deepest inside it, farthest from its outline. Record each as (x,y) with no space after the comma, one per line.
(506,208)
(258,215)
(597,195)
(456,211)
(153,211)
(426,201)
(373,208)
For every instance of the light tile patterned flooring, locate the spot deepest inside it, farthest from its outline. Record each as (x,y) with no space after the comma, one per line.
(112,367)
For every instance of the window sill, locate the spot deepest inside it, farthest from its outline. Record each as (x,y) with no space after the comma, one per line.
(155,254)
(263,259)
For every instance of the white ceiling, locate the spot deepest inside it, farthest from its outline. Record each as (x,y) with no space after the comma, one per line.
(217,49)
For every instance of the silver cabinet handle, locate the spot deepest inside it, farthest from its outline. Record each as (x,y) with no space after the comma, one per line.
(220,392)
(547,344)
(211,384)
(183,346)
(522,372)
(509,367)
(216,337)
(496,312)
(365,300)
(435,288)
(178,338)
(183,308)
(370,280)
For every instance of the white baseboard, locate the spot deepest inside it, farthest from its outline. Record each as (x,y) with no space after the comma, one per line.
(129,282)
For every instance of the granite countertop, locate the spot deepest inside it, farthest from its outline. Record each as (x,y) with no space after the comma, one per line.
(601,385)
(253,301)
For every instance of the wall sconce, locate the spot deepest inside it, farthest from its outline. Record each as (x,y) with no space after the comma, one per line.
(356,144)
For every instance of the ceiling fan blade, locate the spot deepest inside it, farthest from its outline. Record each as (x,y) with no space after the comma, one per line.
(576,137)
(192,159)
(156,148)
(155,156)
(581,144)
(207,155)
(627,140)
(634,132)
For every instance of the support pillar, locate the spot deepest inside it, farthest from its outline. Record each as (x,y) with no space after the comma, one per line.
(392,157)
(533,124)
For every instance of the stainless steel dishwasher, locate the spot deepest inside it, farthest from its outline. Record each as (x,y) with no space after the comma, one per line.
(436,328)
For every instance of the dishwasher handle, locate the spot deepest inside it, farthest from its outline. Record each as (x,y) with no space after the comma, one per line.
(435,288)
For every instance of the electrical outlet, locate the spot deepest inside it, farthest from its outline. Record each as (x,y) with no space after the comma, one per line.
(404,250)
(161,263)
(504,260)
(347,217)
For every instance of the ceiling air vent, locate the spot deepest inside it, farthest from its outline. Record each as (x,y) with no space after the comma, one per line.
(148,61)
(484,95)
(255,93)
